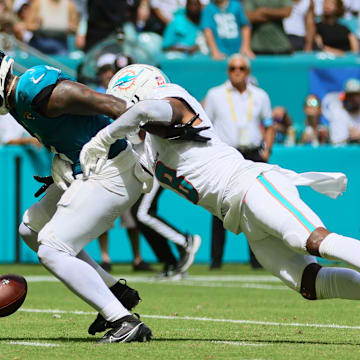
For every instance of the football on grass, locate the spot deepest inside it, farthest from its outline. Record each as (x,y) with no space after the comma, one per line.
(13,289)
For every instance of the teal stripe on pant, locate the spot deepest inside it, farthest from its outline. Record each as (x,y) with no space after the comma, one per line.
(286,203)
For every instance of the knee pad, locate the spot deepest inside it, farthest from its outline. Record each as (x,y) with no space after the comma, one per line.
(308,281)
(29,236)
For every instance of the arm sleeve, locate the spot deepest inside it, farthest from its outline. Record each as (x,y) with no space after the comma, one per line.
(147,111)
(207,21)
(266,112)
(241,16)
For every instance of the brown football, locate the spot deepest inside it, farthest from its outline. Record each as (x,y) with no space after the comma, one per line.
(13,290)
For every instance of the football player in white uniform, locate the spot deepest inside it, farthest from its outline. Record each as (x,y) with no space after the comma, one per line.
(259,199)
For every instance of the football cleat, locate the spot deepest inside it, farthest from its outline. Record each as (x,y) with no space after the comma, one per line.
(170,274)
(187,257)
(127,329)
(128,296)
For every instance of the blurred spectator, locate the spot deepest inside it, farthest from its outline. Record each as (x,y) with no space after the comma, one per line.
(300,25)
(163,12)
(7,20)
(351,7)
(106,17)
(266,17)
(21,9)
(314,133)
(226,29)
(142,14)
(12,133)
(241,114)
(284,131)
(80,36)
(182,32)
(332,36)
(51,21)
(342,110)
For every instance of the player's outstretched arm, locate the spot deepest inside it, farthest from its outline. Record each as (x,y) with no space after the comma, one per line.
(70,97)
(166,118)
(94,154)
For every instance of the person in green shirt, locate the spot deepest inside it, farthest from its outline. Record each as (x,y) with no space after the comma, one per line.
(266,16)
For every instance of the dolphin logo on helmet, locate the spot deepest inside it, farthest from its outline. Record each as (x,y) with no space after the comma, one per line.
(6,64)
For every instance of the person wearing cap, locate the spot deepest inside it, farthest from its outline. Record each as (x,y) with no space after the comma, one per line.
(242,117)
(21,10)
(342,110)
(315,133)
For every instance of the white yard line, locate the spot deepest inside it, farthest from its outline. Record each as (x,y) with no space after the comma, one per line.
(28,343)
(233,321)
(248,282)
(134,278)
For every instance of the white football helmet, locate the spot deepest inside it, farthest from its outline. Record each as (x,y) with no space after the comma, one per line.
(6,64)
(136,82)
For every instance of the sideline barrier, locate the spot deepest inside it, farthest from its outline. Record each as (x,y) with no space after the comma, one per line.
(340,215)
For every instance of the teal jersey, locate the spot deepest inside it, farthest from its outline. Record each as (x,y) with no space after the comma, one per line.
(66,134)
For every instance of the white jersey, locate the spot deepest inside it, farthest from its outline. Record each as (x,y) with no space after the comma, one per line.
(201,172)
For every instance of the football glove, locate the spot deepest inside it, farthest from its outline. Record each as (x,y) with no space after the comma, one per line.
(186,131)
(46,180)
(94,154)
(61,172)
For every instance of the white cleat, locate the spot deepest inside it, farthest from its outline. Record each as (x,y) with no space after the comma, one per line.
(188,256)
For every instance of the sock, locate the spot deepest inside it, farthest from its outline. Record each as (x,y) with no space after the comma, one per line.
(338,283)
(338,247)
(83,280)
(107,278)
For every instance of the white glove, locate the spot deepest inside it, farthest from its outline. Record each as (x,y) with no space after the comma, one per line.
(94,154)
(61,172)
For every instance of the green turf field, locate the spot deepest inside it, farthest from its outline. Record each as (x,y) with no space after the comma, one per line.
(233,313)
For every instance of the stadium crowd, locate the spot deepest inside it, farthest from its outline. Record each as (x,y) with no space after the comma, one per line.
(217,29)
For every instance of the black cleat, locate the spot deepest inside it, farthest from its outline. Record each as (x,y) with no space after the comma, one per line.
(128,296)
(127,329)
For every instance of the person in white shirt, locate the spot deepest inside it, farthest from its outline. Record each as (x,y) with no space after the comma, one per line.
(342,110)
(300,25)
(257,198)
(12,133)
(242,117)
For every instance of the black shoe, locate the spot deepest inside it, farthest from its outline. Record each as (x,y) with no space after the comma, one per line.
(187,256)
(215,265)
(127,329)
(128,296)
(142,266)
(106,266)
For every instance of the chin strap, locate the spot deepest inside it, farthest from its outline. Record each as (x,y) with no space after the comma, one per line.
(9,92)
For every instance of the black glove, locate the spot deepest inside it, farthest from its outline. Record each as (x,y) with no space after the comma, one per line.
(187,132)
(46,180)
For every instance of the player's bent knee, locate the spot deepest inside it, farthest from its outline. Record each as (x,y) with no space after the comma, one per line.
(314,240)
(308,281)
(29,236)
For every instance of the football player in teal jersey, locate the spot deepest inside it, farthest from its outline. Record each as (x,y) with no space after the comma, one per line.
(64,115)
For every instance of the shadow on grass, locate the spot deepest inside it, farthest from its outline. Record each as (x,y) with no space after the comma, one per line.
(254,341)
(159,340)
(44,339)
